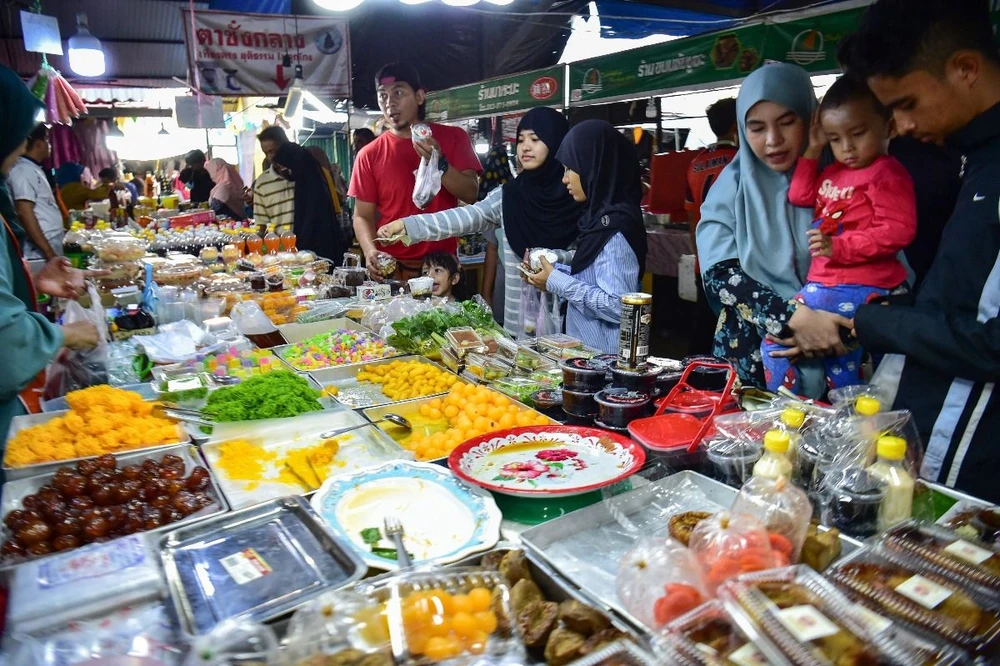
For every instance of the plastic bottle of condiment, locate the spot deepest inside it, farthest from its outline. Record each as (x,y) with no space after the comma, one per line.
(774,462)
(288,241)
(897,505)
(791,420)
(866,405)
(272,242)
(254,243)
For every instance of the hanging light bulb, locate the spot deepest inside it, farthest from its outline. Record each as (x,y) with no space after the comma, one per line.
(413,2)
(115,137)
(500,3)
(293,102)
(460,3)
(163,131)
(86,56)
(651,109)
(338,5)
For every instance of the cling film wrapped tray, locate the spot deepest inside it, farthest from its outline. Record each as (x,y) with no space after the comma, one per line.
(708,636)
(800,618)
(902,587)
(947,552)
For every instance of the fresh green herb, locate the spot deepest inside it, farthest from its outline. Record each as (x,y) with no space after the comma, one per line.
(278,394)
(371,535)
(387,553)
(423,332)
(189,395)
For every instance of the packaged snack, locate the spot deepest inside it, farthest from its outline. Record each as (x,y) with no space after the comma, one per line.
(971,560)
(708,636)
(728,545)
(902,588)
(782,508)
(659,580)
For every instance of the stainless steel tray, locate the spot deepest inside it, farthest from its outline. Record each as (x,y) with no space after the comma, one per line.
(293,333)
(259,563)
(356,395)
(374,447)
(59,404)
(24,422)
(408,408)
(555,588)
(606,530)
(15,491)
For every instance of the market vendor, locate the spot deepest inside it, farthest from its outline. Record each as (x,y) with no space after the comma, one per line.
(383,178)
(533,210)
(273,196)
(936,67)
(752,245)
(602,171)
(315,218)
(28,340)
(76,195)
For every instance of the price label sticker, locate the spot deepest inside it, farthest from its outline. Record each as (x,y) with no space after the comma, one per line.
(924,591)
(968,552)
(872,620)
(748,655)
(245,566)
(806,623)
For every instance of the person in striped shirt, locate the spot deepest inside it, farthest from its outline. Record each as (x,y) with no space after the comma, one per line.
(602,171)
(533,210)
(273,196)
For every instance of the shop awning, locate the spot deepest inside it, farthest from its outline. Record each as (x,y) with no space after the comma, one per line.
(500,96)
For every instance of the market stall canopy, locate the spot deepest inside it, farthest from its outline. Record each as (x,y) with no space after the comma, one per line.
(143,40)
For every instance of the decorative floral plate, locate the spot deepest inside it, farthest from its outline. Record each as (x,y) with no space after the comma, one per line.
(444,519)
(546,460)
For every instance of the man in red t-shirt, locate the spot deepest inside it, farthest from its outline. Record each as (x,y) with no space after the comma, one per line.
(383,177)
(701,175)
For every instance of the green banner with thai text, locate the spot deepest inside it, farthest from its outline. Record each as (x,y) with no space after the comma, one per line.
(500,96)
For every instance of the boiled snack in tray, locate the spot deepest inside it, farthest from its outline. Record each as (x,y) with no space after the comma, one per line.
(97,501)
(563,632)
(916,596)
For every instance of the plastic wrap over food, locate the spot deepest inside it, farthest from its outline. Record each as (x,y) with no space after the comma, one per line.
(659,580)
(343,626)
(729,544)
(784,510)
(235,641)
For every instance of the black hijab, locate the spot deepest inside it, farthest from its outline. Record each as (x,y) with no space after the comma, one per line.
(609,173)
(537,209)
(316,226)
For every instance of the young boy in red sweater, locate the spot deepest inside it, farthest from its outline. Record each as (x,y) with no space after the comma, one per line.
(866,214)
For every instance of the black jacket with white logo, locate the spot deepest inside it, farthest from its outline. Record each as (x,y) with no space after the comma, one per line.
(951,335)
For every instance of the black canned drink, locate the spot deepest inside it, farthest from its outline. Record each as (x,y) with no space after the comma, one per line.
(633,336)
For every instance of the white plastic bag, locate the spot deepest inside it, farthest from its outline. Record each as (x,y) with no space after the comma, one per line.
(77,369)
(428,176)
(687,288)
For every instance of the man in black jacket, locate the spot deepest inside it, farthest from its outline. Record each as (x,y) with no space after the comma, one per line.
(935,64)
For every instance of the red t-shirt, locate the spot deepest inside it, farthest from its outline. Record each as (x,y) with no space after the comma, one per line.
(384,175)
(701,174)
(870,214)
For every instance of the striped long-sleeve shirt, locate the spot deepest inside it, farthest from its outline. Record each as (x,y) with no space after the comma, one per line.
(594,294)
(483,217)
(273,200)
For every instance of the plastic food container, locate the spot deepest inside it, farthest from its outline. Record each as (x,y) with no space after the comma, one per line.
(553,345)
(617,407)
(951,554)
(708,635)
(584,375)
(519,388)
(529,360)
(903,588)
(732,462)
(475,365)
(581,405)
(178,276)
(706,378)
(421,287)
(120,248)
(464,339)
(808,620)
(851,501)
(494,369)
(450,360)
(666,380)
(117,272)
(548,402)
(635,380)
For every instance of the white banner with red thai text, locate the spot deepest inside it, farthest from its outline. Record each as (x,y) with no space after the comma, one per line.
(245,54)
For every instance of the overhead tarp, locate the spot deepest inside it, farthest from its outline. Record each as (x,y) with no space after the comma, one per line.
(809,39)
(500,96)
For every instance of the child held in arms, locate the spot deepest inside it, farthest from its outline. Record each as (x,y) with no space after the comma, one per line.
(865,214)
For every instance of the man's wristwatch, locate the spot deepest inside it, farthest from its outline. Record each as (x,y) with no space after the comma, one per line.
(443,164)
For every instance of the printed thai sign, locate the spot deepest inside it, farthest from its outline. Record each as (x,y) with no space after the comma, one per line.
(256,54)
(501,96)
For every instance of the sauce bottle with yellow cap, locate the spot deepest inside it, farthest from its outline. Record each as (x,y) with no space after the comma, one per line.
(866,405)
(774,462)
(897,505)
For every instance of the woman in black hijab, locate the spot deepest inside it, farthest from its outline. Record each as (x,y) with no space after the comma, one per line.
(534,210)
(316,225)
(602,171)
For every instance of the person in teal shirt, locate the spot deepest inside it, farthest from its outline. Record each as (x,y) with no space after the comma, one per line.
(28,341)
